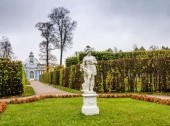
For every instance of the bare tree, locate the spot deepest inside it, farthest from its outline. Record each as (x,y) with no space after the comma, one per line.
(142,48)
(48,45)
(135,47)
(64,28)
(109,50)
(6,48)
(164,48)
(115,49)
(153,48)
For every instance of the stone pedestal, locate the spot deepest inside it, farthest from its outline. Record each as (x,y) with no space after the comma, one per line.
(90,104)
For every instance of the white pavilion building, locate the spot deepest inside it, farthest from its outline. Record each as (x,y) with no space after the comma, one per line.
(33,68)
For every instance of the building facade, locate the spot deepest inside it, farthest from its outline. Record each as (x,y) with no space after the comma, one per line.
(33,68)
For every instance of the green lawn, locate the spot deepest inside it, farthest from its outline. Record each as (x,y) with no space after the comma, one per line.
(67,112)
(67,89)
(64,88)
(28,91)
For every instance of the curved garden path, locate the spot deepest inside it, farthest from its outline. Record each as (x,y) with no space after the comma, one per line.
(40,90)
(44,89)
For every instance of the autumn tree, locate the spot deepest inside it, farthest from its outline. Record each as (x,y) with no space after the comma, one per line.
(64,28)
(46,46)
(6,48)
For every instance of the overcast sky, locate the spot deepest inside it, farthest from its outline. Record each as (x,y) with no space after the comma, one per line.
(102,24)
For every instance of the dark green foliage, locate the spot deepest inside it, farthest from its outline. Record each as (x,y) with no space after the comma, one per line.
(72,77)
(55,78)
(146,75)
(78,80)
(58,67)
(104,55)
(66,76)
(75,77)
(72,61)
(56,75)
(11,77)
(51,77)
(45,78)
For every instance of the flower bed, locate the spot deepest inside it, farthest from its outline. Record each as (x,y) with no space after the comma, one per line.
(3,106)
(138,97)
(13,100)
(37,98)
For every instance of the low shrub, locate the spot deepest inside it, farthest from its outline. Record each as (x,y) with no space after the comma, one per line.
(14,100)
(11,78)
(138,97)
(3,106)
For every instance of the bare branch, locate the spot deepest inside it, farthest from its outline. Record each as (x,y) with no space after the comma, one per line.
(6,48)
(47,32)
(63,28)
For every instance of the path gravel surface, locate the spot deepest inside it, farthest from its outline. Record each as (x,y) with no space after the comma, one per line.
(40,90)
(45,89)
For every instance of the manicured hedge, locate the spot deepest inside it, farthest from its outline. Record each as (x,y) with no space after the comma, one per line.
(100,56)
(72,61)
(122,75)
(11,77)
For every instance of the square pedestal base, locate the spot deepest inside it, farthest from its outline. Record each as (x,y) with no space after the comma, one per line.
(90,104)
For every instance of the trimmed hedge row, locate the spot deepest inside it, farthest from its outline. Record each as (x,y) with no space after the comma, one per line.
(123,75)
(147,98)
(104,55)
(138,97)
(38,98)
(67,77)
(11,77)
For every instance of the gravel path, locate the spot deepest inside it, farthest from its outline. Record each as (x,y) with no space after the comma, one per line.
(40,90)
(44,89)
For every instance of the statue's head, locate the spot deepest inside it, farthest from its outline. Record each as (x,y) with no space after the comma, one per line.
(88,50)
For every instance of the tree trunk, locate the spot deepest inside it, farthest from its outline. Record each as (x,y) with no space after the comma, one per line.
(61,55)
(47,57)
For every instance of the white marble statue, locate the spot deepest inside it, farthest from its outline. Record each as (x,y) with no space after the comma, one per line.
(89,68)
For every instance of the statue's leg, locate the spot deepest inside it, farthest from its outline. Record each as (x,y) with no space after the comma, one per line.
(92,83)
(86,83)
(82,86)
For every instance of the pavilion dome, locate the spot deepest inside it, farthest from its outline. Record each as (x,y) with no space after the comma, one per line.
(31,61)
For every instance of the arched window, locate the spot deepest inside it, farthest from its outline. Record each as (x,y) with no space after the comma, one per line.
(31,75)
(31,60)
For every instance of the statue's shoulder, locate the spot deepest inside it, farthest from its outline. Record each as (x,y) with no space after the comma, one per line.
(93,57)
(85,58)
